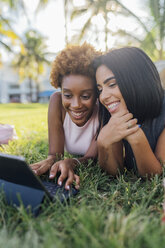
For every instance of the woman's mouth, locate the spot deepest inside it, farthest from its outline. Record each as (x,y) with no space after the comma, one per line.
(112,107)
(77,115)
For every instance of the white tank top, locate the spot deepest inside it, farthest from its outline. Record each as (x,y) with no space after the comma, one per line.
(78,139)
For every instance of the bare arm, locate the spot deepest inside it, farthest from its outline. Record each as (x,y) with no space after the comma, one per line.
(55,126)
(110,145)
(72,162)
(56,147)
(148,162)
(55,133)
(111,157)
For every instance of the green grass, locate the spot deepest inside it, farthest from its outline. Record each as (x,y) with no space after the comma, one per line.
(124,212)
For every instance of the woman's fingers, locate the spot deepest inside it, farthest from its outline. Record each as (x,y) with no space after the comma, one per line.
(53,171)
(73,177)
(36,166)
(69,180)
(77,180)
(131,123)
(64,174)
(44,168)
(41,167)
(118,121)
(61,166)
(133,128)
(121,113)
(122,118)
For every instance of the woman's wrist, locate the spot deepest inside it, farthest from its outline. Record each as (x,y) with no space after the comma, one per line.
(77,161)
(52,157)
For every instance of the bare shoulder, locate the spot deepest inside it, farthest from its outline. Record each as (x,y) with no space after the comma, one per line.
(56,98)
(55,106)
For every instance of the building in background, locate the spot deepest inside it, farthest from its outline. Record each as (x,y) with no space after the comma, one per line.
(12,90)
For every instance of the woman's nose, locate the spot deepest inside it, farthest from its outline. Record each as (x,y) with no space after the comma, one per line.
(76,102)
(104,95)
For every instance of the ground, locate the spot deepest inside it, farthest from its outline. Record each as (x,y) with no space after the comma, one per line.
(124,212)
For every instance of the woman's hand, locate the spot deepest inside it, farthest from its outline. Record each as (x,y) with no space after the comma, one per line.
(66,167)
(135,136)
(119,126)
(43,166)
(110,145)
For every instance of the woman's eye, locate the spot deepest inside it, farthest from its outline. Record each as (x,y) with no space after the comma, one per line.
(67,95)
(85,97)
(112,85)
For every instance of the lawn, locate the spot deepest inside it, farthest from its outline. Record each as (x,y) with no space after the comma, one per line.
(124,212)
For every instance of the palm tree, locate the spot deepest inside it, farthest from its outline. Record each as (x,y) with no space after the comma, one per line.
(154,32)
(94,7)
(153,38)
(157,11)
(66,5)
(8,36)
(7,32)
(103,7)
(30,64)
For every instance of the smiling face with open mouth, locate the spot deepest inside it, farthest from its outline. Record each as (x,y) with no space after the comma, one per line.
(78,97)
(109,92)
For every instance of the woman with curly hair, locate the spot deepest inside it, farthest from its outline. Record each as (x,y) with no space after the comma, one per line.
(133,112)
(72,115)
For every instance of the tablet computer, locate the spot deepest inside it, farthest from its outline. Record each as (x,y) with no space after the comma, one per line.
(21,185)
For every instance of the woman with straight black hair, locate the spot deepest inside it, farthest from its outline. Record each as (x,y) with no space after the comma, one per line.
(132,112)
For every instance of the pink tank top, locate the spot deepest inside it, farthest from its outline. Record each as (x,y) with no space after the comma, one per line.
(78,139)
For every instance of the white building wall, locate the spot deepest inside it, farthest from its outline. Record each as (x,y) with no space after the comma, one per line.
(10,86)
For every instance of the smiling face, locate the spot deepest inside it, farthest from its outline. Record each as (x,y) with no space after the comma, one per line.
(109,92)
(78,97)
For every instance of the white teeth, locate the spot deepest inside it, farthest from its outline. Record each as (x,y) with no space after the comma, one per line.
(77,114)
(112,105)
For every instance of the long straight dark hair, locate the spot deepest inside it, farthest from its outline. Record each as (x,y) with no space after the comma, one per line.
(138,81)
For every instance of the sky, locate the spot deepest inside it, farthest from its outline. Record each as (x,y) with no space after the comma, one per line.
(50,22)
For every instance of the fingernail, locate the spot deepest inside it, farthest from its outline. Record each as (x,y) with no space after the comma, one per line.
(77,187)
(35,171)
(60,183)
(139,125)
(67,187)
(51,176)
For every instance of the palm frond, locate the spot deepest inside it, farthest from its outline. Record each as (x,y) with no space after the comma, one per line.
(78,12)
(136,17)
(124,33)
(84,29)
(6,46)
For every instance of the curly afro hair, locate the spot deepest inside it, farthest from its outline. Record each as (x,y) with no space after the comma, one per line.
(74,59)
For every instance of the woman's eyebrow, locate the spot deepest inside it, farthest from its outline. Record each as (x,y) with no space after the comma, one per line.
(65,89)
(108,79)
(87,90)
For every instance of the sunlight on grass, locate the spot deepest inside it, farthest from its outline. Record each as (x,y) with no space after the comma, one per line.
(124,212)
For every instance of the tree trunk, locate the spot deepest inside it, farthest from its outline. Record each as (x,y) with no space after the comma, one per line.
(65,16)
(30,89)
(38,91)
(106,31)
